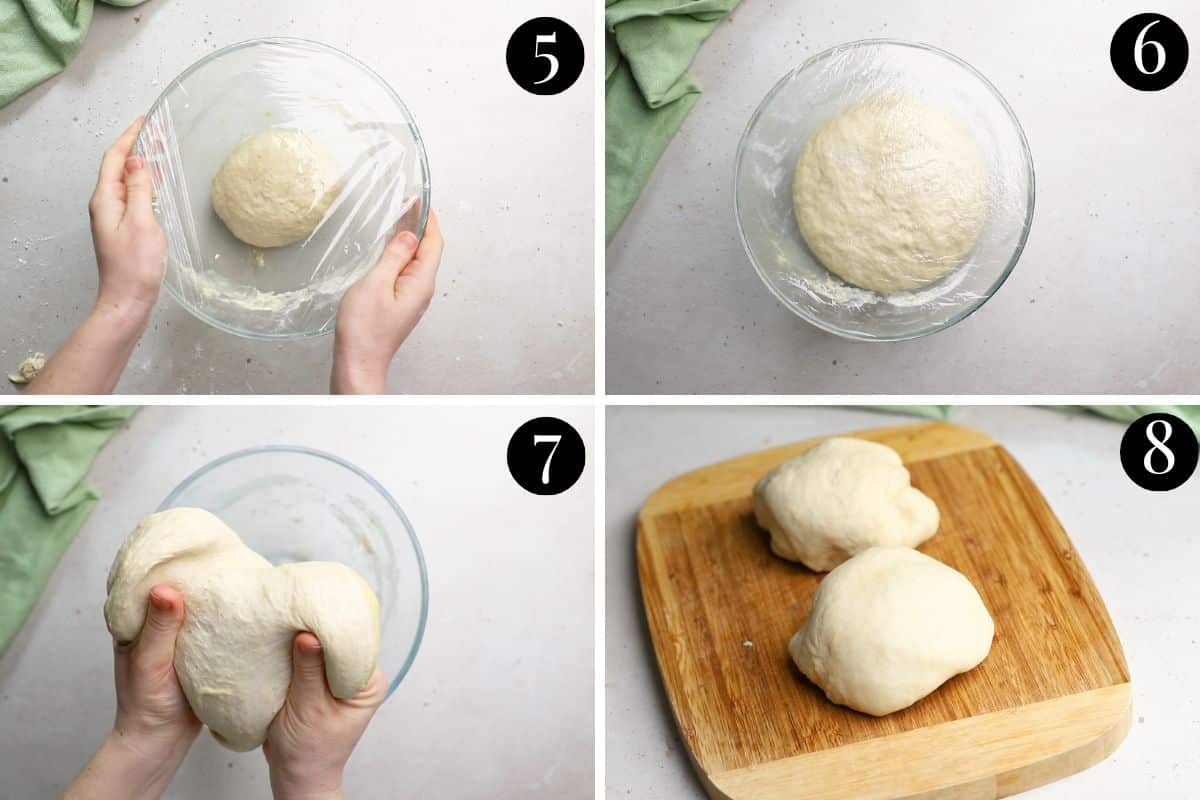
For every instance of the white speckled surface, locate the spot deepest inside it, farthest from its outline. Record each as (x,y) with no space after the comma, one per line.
(511,177)
(1139,547)
(500,700)
(1101,302)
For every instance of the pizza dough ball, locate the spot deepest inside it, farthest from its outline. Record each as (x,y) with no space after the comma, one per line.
(840,498)
(233,654)
(888,627)
(275,187)
(891,194)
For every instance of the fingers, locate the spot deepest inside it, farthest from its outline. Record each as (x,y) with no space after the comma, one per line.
(139,192)
(155,648)
(308,671)
(107,204)
(394,258)
(113,161)
(424,265)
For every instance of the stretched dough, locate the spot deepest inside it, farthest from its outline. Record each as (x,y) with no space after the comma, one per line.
(840,498)
(888,627)
(233,654)
(891,194)
(275,187)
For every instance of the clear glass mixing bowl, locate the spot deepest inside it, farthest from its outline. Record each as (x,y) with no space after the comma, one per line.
(296,504)
(292,84)
(775,137)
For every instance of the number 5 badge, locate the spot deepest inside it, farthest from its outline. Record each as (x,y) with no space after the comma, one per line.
(545,56)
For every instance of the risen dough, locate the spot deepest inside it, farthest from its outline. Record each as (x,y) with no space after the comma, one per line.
(275,187)
(840,498)
(891,194)
(233,654)
(888,627)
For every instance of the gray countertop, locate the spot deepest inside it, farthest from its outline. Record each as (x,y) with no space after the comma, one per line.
(1139,547)
(1101,302)
(500,700)
(511,175)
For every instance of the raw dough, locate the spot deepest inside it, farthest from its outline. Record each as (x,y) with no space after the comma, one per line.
(275,187)
(888,627)
(840,498)
(28,369)
(233,655)
(891,194)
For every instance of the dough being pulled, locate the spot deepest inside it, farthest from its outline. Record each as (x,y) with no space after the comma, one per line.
(888,627)
(275,187)
(891,194)
(840,498)
(233,654)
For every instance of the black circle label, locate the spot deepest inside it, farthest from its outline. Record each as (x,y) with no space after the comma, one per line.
(545,56)
(546,456)
(1149,52)
(1159,452)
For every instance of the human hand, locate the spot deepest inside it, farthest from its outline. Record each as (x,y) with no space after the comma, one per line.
(312,736)
(152,711)
(382,309)
(131,247)
(155,725)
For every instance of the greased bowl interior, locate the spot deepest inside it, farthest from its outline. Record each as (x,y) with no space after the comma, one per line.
(295,504)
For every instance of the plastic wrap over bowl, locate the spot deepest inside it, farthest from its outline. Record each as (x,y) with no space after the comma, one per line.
(295,85)
(815,92)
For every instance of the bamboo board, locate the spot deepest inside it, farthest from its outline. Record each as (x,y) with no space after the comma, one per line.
(1051,699)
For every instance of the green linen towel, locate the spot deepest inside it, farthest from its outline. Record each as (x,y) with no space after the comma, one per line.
(38,38)
(45,455)
(1189,414)
(647,91)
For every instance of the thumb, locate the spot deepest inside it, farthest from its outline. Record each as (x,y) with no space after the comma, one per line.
(139,191)
(164,618)
(395,257)
(308,671)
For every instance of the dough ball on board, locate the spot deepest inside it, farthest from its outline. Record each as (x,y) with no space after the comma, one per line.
(891,194)
(275,187)
(839,498)
(233,654)
(888,627)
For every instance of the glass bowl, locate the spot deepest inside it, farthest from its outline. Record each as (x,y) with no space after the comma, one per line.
(294,504)
(775,137)
(293,291)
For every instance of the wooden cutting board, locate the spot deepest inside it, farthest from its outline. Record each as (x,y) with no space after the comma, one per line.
(1051,699)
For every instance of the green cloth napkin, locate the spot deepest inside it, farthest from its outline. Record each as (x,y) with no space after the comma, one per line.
(647,91)
(38,38)
(1189,414)
(45,455)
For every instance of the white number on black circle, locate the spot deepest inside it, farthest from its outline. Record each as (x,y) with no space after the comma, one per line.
(1139,52)
(1159,446)
(552,38)
(555,439)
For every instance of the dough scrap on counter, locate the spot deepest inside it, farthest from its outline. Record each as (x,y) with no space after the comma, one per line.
(275,187)
(891,194)
(841,497)
(233,655)
(29,369)
(890,626)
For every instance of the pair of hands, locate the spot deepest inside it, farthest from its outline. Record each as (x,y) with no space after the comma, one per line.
(375,317)
(307,745)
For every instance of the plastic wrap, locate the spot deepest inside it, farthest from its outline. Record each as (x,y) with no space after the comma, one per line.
(817,91)
(290,84)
